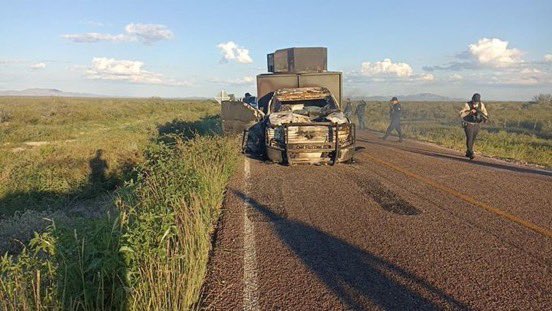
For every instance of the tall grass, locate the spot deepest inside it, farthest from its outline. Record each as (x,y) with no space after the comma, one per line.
(152,256)
(170,214)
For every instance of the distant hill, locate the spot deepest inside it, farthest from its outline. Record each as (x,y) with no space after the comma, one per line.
(46,92)
(422,97)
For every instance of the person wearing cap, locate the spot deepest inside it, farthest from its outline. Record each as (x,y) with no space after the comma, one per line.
(473,113)
(395,119)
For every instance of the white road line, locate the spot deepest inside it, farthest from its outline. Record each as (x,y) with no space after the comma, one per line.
(250,286)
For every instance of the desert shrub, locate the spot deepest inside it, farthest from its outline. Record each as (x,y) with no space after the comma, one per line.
(543,99)
(5,116)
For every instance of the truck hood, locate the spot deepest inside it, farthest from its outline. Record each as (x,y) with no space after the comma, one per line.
(288,117)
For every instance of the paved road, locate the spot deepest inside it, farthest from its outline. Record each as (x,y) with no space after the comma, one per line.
(408,226)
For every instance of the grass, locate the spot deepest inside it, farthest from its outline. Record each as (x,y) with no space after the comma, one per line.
(148,247)
(179,199)
(521,132)
(46,144)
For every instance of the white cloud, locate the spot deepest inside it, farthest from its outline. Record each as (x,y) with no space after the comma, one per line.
(426,77)
(548,58)
(527,76)
(530,71)
(388,71)
(38,66)
(126,70)
(495,53)
(513,80)
(232,52)
(145,33)
(92,37)
(456,77)
(386,68)
(149,33)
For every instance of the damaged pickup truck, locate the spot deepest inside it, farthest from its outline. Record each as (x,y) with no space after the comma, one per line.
(298,119)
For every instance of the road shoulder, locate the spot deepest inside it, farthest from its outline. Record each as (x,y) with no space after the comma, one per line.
(223,287)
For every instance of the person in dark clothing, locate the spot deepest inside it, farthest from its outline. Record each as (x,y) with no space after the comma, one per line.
(361,115)
(250,100)
(473,113)
(395,119)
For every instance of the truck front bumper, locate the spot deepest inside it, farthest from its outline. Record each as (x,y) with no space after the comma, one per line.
(338,145)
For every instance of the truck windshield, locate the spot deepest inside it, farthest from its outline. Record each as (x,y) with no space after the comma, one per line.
(304,104)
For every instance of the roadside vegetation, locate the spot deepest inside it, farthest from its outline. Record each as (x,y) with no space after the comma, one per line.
(517,131)
(128,228)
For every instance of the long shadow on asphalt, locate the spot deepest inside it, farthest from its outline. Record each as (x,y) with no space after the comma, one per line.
(462,159)
(353,274)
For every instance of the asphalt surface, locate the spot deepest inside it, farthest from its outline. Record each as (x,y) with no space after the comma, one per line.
(409,226)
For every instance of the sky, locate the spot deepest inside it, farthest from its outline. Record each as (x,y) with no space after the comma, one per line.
(501,49)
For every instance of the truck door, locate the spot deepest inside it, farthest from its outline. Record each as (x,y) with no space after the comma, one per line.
(238,116)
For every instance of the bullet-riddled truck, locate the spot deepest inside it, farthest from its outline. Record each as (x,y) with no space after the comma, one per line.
(298,117)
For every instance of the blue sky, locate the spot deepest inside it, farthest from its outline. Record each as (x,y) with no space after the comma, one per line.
(178,48)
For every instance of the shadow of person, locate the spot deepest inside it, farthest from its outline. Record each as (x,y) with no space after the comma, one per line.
(360,279)
(98,170)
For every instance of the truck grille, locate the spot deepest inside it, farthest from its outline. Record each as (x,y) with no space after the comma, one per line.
(310,135)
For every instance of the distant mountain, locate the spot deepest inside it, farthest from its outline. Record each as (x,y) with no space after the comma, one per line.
(422,97)
(46,92)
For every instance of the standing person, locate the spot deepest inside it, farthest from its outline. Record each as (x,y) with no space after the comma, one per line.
(361,115)
(395,119)
(473,113)
(348,111)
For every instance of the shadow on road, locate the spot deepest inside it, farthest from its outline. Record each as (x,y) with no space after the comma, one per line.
(357,277)
(459,158)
